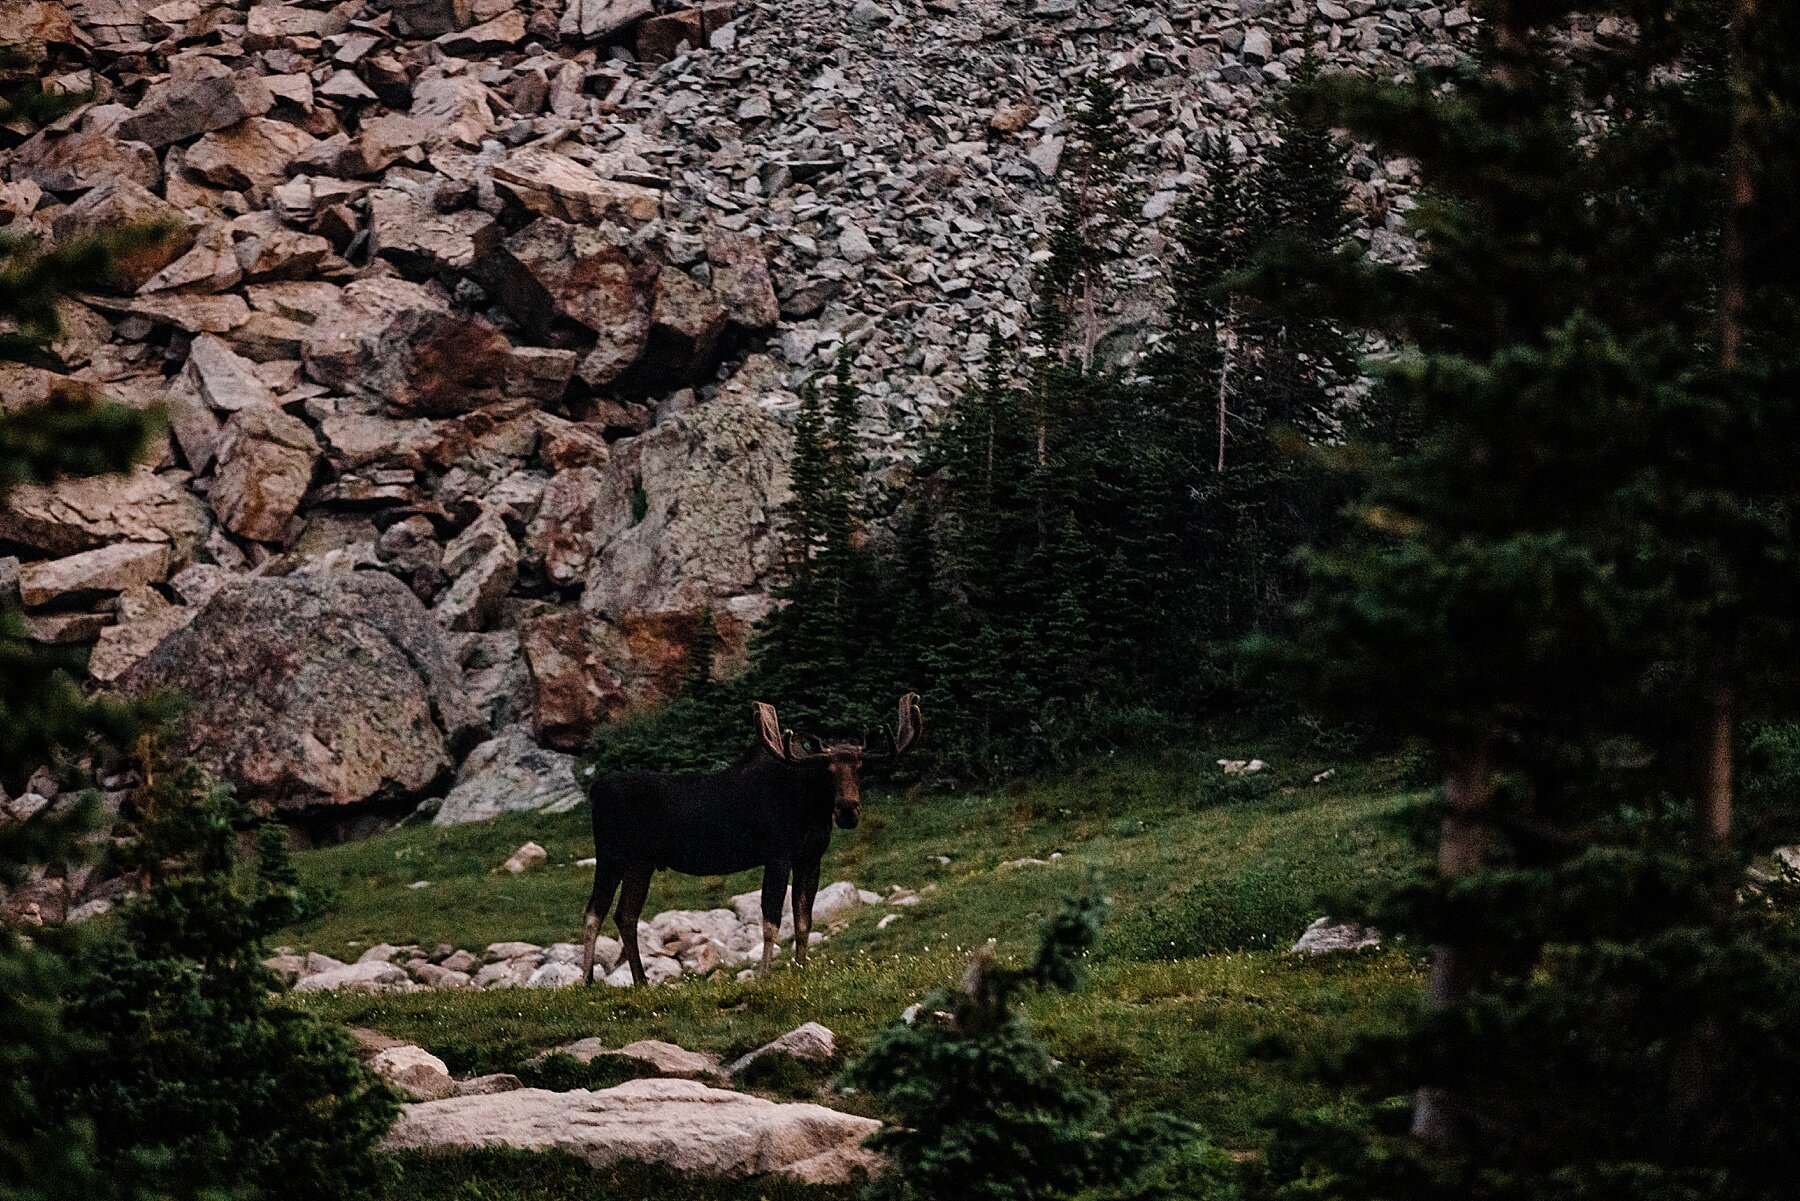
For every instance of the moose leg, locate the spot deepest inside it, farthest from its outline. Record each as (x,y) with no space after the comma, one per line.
(606,879)
(631,907)
(806,887)
(774,893)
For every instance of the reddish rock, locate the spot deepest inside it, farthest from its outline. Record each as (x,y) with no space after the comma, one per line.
(572,689)
(685,325)
(116,204)
(400,342)
(266,461)
(659,39)
(552,272)
(60,160)
(201,94)
(251,156)
(555,185)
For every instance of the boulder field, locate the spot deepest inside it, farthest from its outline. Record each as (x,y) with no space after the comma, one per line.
(479,327)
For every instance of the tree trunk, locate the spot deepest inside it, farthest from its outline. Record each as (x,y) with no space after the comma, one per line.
(1462,848)
(1227,343)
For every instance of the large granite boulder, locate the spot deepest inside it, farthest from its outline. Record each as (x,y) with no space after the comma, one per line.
(510,773)
(310,692)
(684,1124)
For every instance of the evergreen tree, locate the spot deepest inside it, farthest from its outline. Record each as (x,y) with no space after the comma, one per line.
(196,1080)
(46,1153)
(1558,572)
(983,1111)
(1095,203)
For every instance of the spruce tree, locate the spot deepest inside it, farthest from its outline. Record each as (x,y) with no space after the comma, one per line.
(984,1111)
(44,1152)
(1558,572)
(195,1078)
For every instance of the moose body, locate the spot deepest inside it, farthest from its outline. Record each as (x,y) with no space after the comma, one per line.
(774,809)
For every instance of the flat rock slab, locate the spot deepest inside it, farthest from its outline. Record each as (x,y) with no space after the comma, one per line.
(683,1124)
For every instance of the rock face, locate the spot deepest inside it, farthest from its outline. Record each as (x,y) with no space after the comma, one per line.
(681,1123)
(316,691)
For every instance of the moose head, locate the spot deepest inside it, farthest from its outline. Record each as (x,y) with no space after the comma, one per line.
(844,760)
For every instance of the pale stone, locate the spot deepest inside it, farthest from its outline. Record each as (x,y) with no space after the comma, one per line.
(414,1071)
(679,1123)
(810,1041)
(106,569)
(510,773)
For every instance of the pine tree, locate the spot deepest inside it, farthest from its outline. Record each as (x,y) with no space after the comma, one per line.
(45,1153)
(194,1078)
(985,1112)
(1557,576)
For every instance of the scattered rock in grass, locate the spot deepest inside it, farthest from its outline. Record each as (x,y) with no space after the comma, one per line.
(460,961)
(1242,767)
(1327,935)
(887,920)
(487,1086)
(525,858)
(358,977)
(432,975)
(666,1058)
(418,884)
(554,975)
(810,1041)
(675,943)
(682,1124)
(508,973)
(414,1071)
(511,950)
(382,952)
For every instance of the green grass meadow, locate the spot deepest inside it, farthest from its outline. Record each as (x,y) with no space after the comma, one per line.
(1210,879)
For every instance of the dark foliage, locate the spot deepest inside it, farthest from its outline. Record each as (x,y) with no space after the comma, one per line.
(981,1110)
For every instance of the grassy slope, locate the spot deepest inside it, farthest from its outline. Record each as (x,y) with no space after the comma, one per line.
(1211,879)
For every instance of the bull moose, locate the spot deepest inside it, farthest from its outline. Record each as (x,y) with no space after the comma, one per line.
(773,809)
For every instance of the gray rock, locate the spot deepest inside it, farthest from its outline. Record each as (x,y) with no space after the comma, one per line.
(507,774)
(358,977)
(315,691)
(1327,936)
(200,95)
(682,1124)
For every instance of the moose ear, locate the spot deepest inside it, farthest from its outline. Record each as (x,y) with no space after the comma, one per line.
(768,729)
(911,723)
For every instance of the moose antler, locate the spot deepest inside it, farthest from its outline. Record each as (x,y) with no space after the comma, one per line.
(785,745)
(907,732)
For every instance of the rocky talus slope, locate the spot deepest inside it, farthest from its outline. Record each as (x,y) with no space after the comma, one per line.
(479,323)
